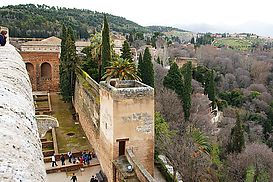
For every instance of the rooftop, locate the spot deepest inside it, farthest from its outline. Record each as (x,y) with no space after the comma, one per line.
(49,41)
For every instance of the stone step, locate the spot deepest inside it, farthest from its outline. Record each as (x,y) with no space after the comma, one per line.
(48,153)
(46,144)
(43,139)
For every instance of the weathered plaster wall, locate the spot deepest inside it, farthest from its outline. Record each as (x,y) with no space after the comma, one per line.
(132,120)
(109,115)
(20,148)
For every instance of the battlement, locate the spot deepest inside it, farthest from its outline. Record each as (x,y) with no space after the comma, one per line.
(127,89)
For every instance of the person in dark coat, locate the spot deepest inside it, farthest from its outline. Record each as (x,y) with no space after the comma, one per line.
(63,159)
(92,179)
(74,178)
(3,37)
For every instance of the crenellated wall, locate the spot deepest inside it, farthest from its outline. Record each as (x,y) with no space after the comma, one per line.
(21,156)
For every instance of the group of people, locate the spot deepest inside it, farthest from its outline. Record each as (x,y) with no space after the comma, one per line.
(85,158)
(3,37)
(74,178)
(94,179)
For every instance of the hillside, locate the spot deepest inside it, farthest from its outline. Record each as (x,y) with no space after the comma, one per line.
(42,21)
(164,29)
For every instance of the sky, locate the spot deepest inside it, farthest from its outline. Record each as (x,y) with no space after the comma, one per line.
(209,15)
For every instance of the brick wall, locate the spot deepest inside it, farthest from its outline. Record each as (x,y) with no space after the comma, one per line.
(36,59)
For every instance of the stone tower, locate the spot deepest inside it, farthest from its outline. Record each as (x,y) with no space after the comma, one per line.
(126,123)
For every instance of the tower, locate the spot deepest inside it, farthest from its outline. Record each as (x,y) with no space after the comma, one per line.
(126,123)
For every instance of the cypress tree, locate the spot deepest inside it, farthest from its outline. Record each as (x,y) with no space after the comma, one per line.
(187,89)
(106,49)
(68,64)
(126,52)
(64,84)
(173,80)
(192,40)
(140,64)
(237,141)
(131,38)
(146,69)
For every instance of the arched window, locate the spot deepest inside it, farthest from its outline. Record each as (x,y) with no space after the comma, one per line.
(46,71)
(30,70)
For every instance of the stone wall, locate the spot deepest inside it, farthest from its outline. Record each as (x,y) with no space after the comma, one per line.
(87,104)
(20,152)
(127,114)
(108,115)
(34,61)
(141,172)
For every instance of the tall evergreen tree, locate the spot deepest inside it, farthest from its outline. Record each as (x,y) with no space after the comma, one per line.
(146,69)
(131,38)
(106,48)
(192,40)
(140,64)
(63,75)
(68,63)
(237,141)
(187,89)
(173,80)
(126,52)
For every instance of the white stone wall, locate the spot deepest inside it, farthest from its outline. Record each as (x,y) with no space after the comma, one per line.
(20,148)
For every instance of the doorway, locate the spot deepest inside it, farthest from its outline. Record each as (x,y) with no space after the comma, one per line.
(121,147)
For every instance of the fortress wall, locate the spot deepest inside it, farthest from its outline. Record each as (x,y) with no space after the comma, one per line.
(21,156)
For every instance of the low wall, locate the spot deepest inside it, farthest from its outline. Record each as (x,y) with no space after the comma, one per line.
(21,156)
(142,173)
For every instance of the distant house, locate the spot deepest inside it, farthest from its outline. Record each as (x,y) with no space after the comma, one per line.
(118,42)
(80,45)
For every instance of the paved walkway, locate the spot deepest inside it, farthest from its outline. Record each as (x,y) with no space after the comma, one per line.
(83,176)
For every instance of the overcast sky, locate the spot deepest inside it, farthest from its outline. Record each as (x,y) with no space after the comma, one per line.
(219,13)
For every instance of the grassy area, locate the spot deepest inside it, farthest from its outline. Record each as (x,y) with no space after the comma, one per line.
(48,136)
(234,43)
(76,142)
(42,104)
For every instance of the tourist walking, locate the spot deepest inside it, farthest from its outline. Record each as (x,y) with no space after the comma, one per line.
(92,179)
(63,159)
(53,160)
(74,177)
(3,37)
(69,154)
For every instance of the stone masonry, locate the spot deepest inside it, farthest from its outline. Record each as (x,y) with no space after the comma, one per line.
(111,115)
(21,156)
